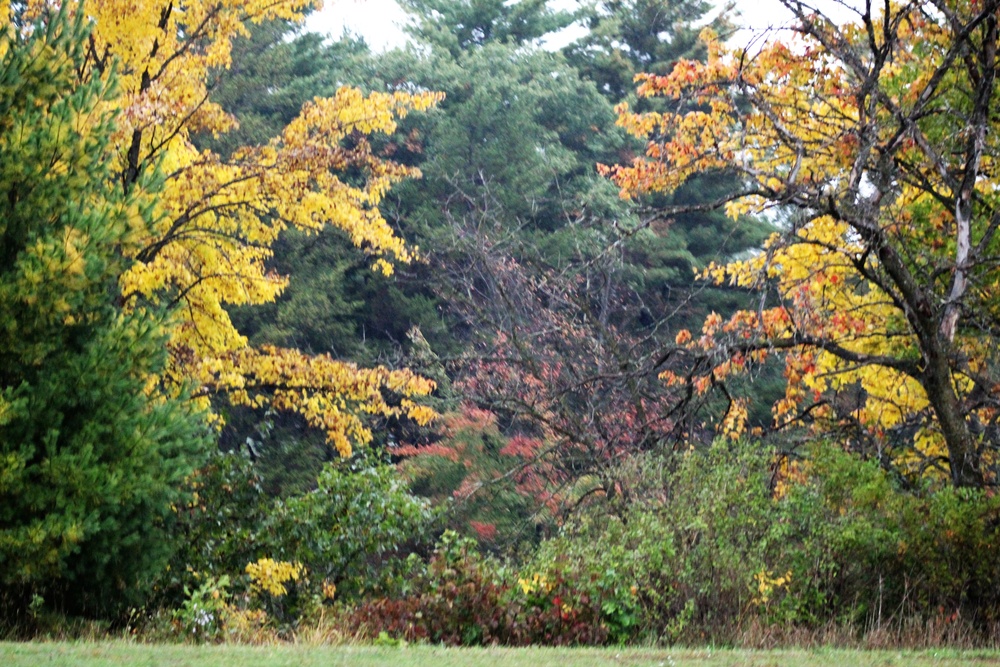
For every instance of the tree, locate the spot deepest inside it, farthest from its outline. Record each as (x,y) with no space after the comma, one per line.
(882,289)
(333,302)
(460,25)
(92,454)
(626,37)
(275,69)
(576,392)
(218,219)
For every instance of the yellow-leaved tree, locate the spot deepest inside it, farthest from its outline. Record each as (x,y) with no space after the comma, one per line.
(217,219)
(880,137)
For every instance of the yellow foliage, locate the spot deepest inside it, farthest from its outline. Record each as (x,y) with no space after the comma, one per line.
(216,220)
(537,584)
(329,589)
(806,130)
(271,576)
(767,584)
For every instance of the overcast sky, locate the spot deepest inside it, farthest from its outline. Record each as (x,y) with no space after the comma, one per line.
(379,21)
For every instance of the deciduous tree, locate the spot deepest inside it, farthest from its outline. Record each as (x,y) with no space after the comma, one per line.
(882,289)
(217,219)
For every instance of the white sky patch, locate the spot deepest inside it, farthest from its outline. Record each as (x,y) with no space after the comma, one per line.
(765,19)
(379,22)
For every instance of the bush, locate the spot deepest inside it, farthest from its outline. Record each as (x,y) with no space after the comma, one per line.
(623,575)
(221,528)
(736,537)
(455,599)
(895,553)
(461,598)
(351,534)
(353,529)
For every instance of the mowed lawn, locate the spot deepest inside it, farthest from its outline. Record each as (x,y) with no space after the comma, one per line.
(143,655)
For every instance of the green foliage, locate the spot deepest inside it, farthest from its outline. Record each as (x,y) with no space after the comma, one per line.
(461,25)
(687,546)
(352,530)
(881,551)
(221,526)
(201,613)
(335,303)
(91,456)
(514,143)
(274,71)
(733,537)
(627,570)
(461,598)
(359,518)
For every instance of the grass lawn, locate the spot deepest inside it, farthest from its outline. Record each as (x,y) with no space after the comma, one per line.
(143,655)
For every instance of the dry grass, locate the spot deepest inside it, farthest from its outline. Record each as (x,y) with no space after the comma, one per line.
(911,635)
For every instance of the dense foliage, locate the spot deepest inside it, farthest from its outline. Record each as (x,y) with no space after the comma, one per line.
(748,398)
(882,288)
(92,454)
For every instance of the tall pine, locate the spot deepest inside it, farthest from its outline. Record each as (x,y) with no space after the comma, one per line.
(91,454)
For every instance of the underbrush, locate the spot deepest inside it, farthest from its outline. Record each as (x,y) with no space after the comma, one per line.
(731,547)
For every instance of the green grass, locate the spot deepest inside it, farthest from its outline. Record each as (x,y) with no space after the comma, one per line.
(143,655)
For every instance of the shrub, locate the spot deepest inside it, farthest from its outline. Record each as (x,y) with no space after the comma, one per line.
(616,570)
(457,598)
(350,534)
(893,553)
(461,598)
(736,536)
(221,528)
(353,530)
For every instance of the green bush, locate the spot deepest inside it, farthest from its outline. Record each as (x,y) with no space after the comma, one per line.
(730,537)
(221,528)
(894,553)
(623,572)
(352,528)
(353,531)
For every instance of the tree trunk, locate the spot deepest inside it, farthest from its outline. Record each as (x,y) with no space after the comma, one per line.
(963,456)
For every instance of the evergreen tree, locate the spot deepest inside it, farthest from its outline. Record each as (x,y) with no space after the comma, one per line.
(458,26)
(91,454)
(516,139)
(626,37)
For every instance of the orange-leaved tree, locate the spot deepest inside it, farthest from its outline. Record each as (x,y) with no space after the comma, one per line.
(880,139)
(217,219)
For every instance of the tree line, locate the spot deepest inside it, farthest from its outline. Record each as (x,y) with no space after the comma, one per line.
(271,296)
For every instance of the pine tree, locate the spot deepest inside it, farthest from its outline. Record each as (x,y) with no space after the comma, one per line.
(91,455)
